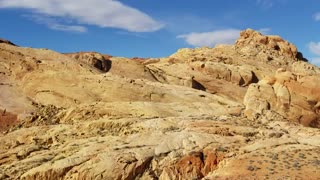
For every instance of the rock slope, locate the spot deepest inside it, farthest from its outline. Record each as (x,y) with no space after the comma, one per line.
(243,111)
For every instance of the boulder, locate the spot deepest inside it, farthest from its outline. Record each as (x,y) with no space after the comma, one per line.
(295,96)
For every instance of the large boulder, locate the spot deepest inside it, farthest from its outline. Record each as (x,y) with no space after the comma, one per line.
(293,94)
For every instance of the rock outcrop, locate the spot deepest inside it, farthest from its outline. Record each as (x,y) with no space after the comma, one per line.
(6,42)
(227,112)
(294,95)
(94,59)
(228,67)
(268,48)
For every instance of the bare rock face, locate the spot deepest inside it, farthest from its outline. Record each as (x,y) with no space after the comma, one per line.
(6,42)
(134,68)
(294,95)
(253,43)
(212,69)
(94,59)
(195,165)
(217,70)
(211,113)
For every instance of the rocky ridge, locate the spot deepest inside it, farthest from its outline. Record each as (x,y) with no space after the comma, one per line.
(244,111)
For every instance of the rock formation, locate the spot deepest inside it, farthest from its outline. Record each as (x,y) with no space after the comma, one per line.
(227,112)
(268,48)
(6,42)
(93,59)
(293,95)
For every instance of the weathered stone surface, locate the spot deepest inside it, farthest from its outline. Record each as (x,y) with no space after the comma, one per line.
(93,59)
(6,42)
(225,67)
(293,96)
(212,113)
(253,43)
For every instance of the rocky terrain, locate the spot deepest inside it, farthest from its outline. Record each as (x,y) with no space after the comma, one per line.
(245,111)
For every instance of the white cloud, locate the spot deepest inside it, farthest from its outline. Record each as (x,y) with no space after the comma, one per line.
(55,25)
(102,13)
(316,16)
(61,27)
(314,47)
(315,60)
(265,30)
(226,36)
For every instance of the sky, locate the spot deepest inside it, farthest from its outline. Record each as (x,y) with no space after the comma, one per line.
(154,28)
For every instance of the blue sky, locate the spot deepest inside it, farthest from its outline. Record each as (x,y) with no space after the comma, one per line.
(150,28)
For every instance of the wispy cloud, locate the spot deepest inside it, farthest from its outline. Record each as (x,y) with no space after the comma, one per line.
(226,36)
(102,13)
(316,16)
(265,3)
(184,23)
(315,60)
(55,25)
(265,30)
(314,47)
(61,27)
(212,38)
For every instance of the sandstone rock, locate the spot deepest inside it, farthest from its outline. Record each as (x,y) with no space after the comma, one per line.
(6,42)
(252,58)
(195,165)
(211,113)
(93,59)
(293,96)
(253,43)
(7,120)
(132,68)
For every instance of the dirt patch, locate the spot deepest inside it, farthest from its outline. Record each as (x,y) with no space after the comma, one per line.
(7,120)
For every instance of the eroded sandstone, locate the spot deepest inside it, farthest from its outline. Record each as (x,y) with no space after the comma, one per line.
(229,112)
